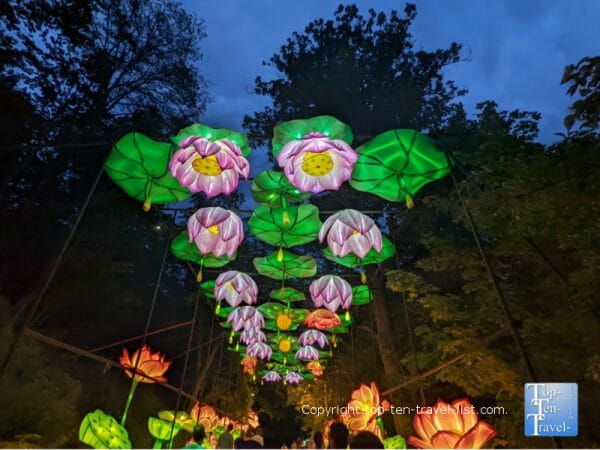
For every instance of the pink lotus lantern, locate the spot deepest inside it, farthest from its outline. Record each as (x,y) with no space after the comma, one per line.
(316,163)
(311,337)
(271,377)
(209,167)
(251,336)
(307,353)
(331,292)
(235,287)
(350,231)
(259,350)
(246,317)
(293,378)
(216,230)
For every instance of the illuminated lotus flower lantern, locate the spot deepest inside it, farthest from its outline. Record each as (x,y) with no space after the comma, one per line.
(331,292)
(272,377)
(210,167)
(249,364)
(259,350)
(205,415)
(451,425)
(216,230)
(312,337)
(307,352)
(293,378)
(315,153)
(253,419)
(247,318)
(322,319)
(364,410)
(350,231)
(235,288)
(315,368)
(250,336)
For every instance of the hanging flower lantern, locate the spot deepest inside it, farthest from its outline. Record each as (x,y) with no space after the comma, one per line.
(259,350)
(451,425)
(331,292)
(250,336)
(246,317)
(315,163)
(315,368)
(284,321)
(150,368)
(249,364)
(285,344)
(235,287)
(311,337)
(272,377)
(210,167)
(293,378)
(322,319)
(216,230)
(205,415)
(350,231)
(307,353)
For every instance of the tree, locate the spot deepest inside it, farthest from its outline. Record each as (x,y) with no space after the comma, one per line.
(94,70)
(363,70)
(583,79)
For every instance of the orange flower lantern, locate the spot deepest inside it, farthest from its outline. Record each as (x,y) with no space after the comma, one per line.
(150,368)
(206,416)
(364,409)
(451,425)
(249,363)
(322,319)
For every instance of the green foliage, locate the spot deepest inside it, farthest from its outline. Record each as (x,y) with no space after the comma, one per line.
(583,79)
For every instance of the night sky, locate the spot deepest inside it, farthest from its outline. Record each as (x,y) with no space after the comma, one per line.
(517,48)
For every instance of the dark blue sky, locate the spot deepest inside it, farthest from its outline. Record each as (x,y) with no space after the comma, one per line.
(518,48)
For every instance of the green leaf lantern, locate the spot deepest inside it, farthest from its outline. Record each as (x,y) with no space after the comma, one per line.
(395,442)
(182,419)
(140,166)
(372,257)
(287,295)
(297,129)
(396,164)
(281,317)
(286,227)
(186,251)
(213,134)
(162,430)
(284,265)
(207,289)
(99,430)
(361,295)
(273,189)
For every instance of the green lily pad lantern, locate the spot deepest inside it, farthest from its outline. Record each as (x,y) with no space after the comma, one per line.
(361,295)
(287,295)
(272,189)
(213,134)
(186,251)
(284,265)
(396,164)
(182,419)
(297,129)
(286,227)
(207,289)
(279,317)
(372,257)
(396,441)
(99,430)
(140,166)
(162,430)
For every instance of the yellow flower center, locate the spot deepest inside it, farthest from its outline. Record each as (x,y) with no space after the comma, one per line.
(317,164)
(207,166)
(355,232)
(284,321)
(214,229)
(285,345)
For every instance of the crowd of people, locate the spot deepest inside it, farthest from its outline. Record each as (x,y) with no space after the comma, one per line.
(339,438)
